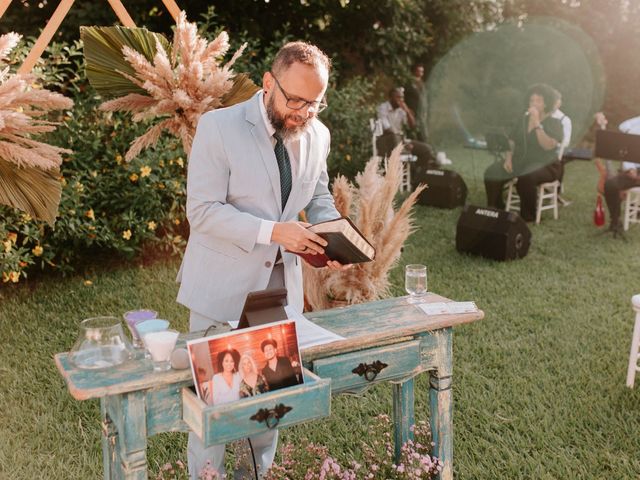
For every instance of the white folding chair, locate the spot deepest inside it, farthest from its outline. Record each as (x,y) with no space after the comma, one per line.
(635,344)
(376,130)
(548,195)
(631,208)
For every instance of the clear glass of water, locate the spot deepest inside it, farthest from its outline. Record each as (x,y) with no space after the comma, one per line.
(415,282)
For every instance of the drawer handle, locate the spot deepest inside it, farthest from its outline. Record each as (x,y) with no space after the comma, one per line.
(271,416)
(370,371)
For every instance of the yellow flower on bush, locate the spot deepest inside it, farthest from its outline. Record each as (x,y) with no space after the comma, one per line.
(179,161)
(89,214)
(177,221)
(14,277)
(152,226)
(88,283)
(118,159)
(161,163)
(145,171)
(177,239)
(133,177)
(79,187)
(37,250)
(7,246)
(347,157)
(26,217)
(94,173)
(126,234)
(5,277)
(12,237)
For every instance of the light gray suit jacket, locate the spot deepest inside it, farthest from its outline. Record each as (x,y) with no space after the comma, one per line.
(233,183)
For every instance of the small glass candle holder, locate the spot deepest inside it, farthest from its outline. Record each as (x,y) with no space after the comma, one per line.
(132,318)
(149,326)
(415,282)
(160,345)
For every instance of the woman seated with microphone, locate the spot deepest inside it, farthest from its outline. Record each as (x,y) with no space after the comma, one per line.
(533,155)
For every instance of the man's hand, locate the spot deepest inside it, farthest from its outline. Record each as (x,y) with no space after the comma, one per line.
(333,265)
(295,237)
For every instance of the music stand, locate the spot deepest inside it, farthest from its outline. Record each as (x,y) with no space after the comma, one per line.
(497,144)
(618,146)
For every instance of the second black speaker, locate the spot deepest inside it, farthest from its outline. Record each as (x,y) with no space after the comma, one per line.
(492,233)
(445,188)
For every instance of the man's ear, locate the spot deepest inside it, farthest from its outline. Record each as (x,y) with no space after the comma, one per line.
(267,82)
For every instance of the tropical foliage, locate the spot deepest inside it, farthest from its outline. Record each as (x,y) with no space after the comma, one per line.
(174,84)
(28,167)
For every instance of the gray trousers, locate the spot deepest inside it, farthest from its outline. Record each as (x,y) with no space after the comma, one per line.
(264,445)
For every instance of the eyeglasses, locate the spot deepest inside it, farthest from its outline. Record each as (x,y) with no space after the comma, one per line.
(299,103)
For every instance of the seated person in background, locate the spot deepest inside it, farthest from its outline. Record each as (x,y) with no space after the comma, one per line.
(395,115)
(614,188)
(533,158)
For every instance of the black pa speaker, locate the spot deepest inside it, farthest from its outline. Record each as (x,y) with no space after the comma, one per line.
(492,233)
(445,189)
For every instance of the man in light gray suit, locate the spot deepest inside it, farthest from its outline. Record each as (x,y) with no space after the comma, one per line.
(253,167)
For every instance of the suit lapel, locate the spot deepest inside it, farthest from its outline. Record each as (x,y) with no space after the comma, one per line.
(299,176)
(263,144)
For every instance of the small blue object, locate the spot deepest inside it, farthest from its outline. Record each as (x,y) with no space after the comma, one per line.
(148,326)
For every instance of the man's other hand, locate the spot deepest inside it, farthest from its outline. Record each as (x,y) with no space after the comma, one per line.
(295,237)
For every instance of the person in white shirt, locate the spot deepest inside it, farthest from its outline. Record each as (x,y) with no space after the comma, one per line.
(566,126)
(395,115)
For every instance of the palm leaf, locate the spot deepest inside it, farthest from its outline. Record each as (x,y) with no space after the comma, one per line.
(34,191)
(104,59)
(243,89)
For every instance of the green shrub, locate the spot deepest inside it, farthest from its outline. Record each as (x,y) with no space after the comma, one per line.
(108,206)
(350,108)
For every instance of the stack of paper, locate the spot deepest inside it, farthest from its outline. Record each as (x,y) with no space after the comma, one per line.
(448,308)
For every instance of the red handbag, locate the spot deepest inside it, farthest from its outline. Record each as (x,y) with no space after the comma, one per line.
(598,213)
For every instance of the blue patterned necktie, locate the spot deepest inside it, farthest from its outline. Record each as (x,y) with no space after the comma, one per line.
(282,156)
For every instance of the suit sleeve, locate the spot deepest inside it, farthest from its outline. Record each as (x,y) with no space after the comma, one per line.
(322,207)
(208,212)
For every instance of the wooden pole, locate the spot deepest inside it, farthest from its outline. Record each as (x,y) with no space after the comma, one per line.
(46,35)
(173,8)
(122,13)
(4,4)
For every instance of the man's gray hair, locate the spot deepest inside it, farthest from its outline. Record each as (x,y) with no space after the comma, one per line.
(300,52)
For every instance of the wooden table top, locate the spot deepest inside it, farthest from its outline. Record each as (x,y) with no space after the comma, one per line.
(363,326)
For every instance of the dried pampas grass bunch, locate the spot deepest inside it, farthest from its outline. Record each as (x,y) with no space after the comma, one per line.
(29,169)
(23,106)
(371,206)
(180,84)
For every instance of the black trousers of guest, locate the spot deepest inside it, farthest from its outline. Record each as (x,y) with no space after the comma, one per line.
(426,157)
(613,187)
(495,177)
(527,188)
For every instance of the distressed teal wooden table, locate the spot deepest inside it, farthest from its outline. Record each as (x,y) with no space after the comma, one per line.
(387,340)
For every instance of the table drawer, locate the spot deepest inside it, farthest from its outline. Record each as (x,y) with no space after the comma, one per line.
(358,369)
(216,424)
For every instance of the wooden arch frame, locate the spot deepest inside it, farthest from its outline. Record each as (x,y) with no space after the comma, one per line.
(58,16)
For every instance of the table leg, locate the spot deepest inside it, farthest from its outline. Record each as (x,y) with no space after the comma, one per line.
(124,441)
(403,415)
(441,401)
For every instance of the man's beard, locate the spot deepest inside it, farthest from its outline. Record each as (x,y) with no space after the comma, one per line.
(278,122)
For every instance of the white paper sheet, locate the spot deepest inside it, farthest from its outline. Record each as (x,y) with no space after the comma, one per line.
(309,334)
(448,308)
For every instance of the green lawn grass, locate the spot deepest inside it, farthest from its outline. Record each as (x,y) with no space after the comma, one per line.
(539,384)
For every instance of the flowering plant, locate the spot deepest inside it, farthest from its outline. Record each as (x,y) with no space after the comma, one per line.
(309,461)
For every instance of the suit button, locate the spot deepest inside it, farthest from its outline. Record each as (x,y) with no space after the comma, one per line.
(267,264)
